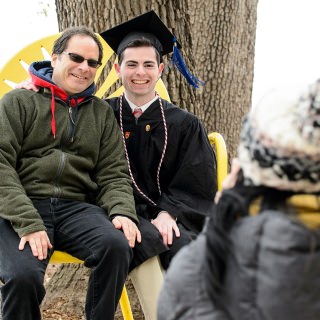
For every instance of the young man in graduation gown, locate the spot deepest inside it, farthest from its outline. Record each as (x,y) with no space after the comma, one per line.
(171,162)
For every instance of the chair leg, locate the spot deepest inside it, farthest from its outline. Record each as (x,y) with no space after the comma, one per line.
(125,305)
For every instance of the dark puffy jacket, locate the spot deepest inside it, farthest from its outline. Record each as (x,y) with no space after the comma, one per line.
(273,272)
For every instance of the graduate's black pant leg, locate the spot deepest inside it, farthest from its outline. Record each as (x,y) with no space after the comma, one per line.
(150,246)
(186,236)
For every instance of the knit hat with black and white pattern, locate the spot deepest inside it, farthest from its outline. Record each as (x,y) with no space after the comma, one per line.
(280,140)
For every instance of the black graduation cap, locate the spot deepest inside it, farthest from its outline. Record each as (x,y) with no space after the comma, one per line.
(149,26)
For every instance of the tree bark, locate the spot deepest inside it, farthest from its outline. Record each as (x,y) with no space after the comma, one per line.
(218,39)
(63,285)
(223,35)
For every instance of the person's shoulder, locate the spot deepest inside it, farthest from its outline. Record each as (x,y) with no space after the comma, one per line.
(113,102)
(167,105)
(101,102)
(101,108)
(179,115)
(278,225)
(18,95)
(175,109)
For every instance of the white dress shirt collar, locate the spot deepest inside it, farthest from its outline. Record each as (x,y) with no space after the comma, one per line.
(143,107)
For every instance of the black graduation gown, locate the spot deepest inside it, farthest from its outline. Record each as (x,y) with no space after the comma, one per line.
(188,171)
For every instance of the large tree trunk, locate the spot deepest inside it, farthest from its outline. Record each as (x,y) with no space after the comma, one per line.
(218,38)
(223,39)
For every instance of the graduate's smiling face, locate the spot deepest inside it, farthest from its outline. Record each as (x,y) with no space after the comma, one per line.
(139,72)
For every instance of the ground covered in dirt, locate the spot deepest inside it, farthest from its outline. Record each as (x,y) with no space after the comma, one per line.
(55,314)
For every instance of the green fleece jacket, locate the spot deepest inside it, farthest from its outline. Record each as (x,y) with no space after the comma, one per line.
(86,157)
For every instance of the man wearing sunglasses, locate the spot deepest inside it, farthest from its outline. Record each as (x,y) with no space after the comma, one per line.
(59,148)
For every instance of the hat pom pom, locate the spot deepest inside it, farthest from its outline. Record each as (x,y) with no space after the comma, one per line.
(179,63)
(309,113)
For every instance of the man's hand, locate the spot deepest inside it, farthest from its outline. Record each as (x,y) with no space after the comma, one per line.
(27,84)
(129,229)
(39,243)
(166,224)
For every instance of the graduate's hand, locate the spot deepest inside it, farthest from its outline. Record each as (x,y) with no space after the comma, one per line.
(27,84)
(39,243)
(230,180)
(129,229)
(166,224)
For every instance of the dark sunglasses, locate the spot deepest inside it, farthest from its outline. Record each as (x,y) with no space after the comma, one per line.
(79,59)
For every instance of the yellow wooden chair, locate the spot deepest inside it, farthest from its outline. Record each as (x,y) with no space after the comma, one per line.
(16,71)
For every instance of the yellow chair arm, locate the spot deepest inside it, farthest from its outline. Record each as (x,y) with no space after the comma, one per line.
(59,257)
(219,144)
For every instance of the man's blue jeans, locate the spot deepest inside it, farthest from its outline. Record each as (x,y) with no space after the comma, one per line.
(81,229)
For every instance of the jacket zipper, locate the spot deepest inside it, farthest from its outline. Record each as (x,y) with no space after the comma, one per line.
(57,190)
(73,124)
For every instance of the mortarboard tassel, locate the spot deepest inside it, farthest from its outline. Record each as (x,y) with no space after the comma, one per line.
(179,63)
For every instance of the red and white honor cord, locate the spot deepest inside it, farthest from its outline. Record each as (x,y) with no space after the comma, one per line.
(162,155)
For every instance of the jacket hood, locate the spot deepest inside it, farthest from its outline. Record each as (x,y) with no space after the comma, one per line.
(41,75)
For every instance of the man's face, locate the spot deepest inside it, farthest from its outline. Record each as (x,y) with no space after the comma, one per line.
(139,72)
(71,76)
